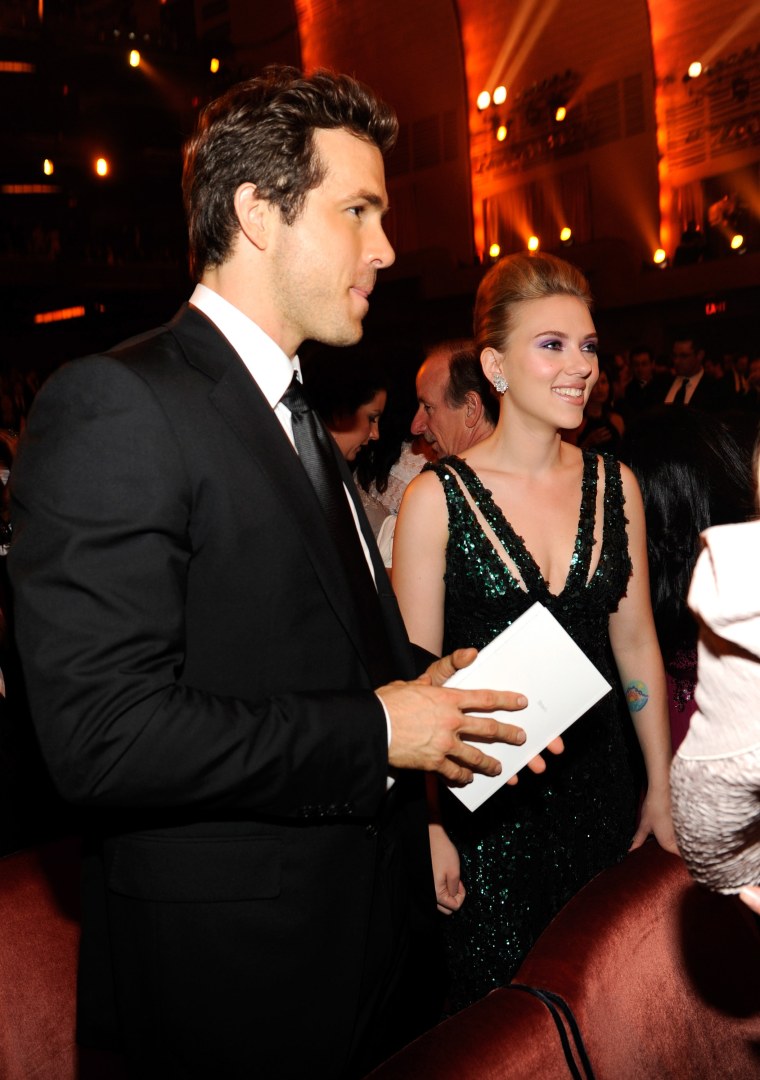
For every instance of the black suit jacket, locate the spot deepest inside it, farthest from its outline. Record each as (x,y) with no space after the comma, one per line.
(638,399)
(197,679)
(710,395)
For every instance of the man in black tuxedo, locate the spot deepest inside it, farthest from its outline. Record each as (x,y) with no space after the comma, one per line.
(690,385)
(647,387)
(202,664)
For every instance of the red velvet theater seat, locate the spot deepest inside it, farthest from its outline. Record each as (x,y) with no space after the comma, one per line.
(507,1034)
(661,976)
(39,939)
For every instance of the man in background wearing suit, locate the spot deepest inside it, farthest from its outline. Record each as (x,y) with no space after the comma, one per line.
(456,406)
(647,387)
(691,385)
(207,676)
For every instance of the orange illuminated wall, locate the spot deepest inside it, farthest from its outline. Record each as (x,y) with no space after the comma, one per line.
(595,173)
(707,126)
(411,54)
(619,171)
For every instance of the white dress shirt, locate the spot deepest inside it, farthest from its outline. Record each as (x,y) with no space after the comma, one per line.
(270,368)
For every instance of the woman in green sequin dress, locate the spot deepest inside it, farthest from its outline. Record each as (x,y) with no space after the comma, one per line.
(525,516)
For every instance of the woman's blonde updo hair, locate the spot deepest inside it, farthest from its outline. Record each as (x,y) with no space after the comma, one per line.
(515,279)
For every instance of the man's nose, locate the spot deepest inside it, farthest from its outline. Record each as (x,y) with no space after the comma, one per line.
(380,251)
(419,423)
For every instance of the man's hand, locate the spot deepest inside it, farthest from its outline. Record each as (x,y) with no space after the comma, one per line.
(436,675)
(429,723)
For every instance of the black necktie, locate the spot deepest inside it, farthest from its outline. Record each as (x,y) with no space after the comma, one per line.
(680,398)
(317,458)
(315,451)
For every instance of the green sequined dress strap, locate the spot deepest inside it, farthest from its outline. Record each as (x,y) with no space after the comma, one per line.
(461,511)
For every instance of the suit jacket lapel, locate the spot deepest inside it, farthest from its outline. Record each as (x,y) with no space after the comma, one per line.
(394,625)
(242,405)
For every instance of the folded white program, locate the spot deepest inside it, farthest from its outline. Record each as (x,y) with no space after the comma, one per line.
(536,657)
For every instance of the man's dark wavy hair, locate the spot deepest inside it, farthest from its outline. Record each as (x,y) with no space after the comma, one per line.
(262,131)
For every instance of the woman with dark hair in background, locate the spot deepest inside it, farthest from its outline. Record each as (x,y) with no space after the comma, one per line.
(351,389)
(348,387)
(692,474)
(385,468)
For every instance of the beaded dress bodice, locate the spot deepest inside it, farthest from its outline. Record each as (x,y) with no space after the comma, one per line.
(585,602)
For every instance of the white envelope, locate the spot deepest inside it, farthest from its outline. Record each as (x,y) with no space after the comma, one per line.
(536,657)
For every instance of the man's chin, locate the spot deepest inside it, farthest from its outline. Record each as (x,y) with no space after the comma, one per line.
(340,337)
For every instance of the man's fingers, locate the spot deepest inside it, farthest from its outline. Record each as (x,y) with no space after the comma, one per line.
(490,701)
(460,658)
(453,773)
(444,668)
(474,759)
(484,727)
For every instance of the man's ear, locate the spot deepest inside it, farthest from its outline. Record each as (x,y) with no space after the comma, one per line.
(254,214)
(473,409)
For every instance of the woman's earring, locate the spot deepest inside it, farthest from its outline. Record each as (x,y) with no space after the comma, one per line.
(500,384)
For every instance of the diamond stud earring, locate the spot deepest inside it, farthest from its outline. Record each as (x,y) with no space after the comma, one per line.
(500,384)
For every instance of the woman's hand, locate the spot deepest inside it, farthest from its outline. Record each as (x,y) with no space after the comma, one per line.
(656,818)
(449,890)
(750,895)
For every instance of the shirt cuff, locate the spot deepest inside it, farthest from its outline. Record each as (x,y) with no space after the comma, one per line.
(390,781)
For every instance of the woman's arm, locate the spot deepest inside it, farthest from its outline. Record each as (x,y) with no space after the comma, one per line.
(639,663)
(419,560)
(419,563)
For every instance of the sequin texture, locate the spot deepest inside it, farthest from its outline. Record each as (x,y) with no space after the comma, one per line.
(528,849)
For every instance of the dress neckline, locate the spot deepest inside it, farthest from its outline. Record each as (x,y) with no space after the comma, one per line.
(514,544)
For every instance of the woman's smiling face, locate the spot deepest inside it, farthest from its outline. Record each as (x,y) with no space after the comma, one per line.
(550,360)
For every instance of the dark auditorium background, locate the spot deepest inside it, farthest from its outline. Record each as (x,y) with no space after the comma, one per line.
(645,156)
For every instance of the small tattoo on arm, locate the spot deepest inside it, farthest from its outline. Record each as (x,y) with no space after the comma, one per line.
(636,694)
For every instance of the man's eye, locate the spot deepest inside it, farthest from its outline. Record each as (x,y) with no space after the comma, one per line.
(356,210)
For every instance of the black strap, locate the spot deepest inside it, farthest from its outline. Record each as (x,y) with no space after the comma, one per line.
(556,1005)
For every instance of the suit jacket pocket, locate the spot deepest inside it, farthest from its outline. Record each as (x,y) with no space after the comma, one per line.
(206,870)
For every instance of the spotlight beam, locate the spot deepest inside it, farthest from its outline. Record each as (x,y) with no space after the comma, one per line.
(522,15)
(541,13)
(739,24)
